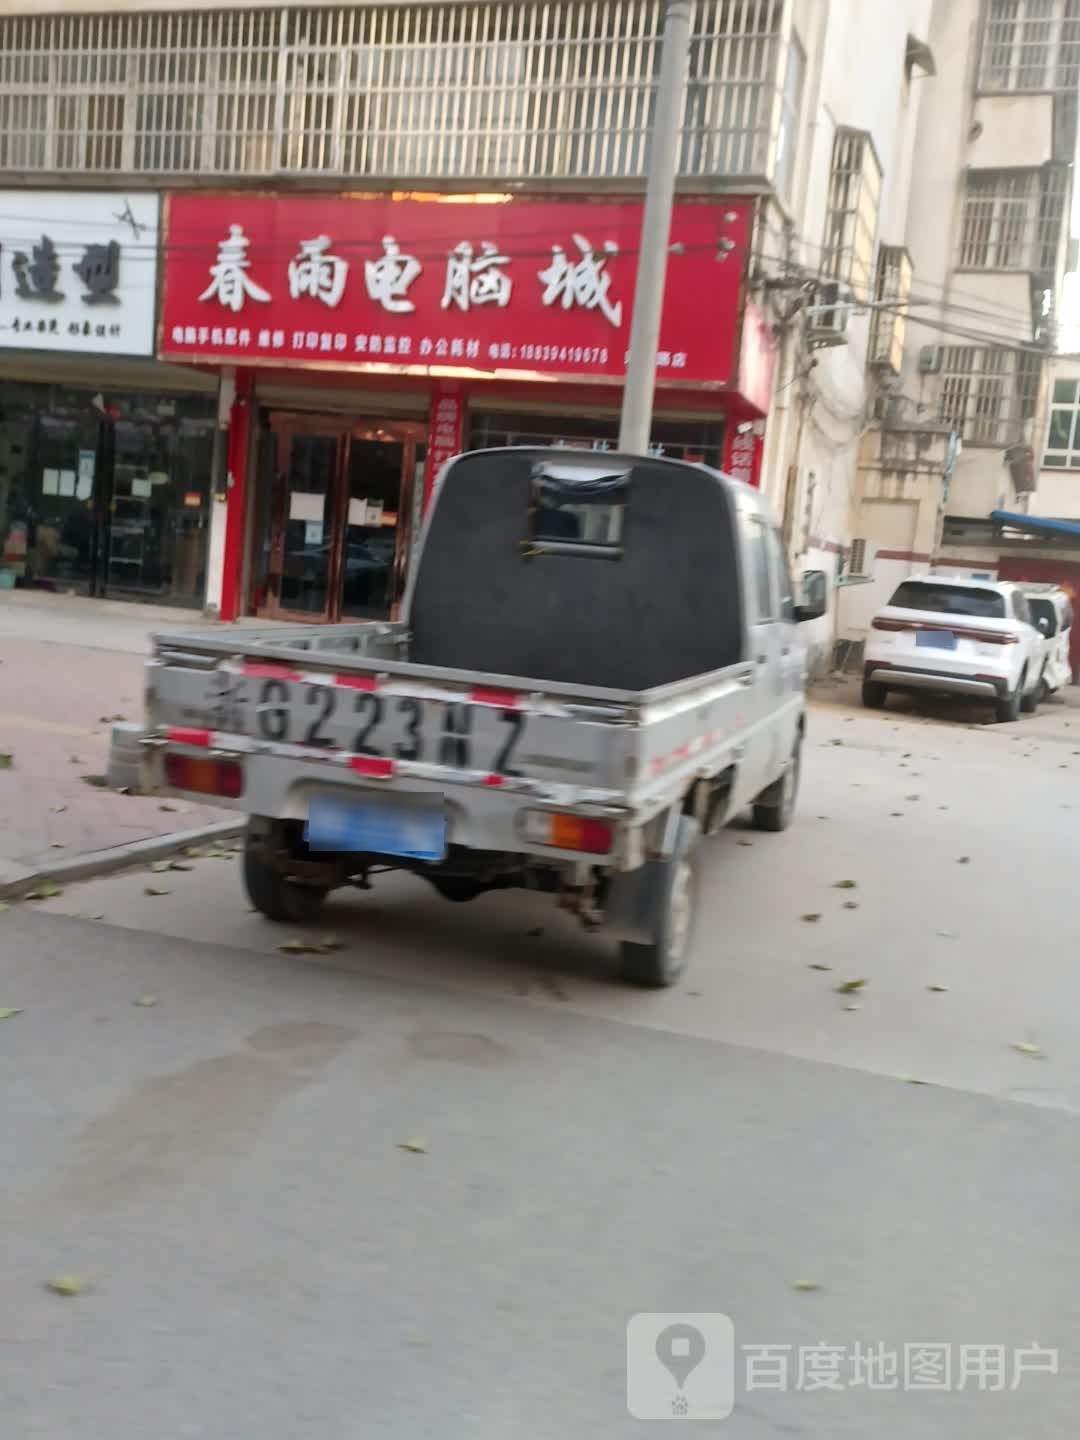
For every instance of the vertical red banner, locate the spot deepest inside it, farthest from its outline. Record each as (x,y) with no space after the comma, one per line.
(447,434)
(742,455)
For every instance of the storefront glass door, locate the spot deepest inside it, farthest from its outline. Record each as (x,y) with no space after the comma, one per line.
(333,509)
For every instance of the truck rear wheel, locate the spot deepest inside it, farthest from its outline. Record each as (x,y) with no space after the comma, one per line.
(774,809)
(674,905)
(275,895)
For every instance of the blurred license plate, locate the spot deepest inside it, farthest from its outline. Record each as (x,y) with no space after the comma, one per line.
(380,826)
(936,639)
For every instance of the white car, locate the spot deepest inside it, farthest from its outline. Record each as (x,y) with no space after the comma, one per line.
(1051,610)
(956,637)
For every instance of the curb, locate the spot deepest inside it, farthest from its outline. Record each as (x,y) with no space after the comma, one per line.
(117,857)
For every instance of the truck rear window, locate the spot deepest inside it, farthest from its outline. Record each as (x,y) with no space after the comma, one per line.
(951,600)
(578,508)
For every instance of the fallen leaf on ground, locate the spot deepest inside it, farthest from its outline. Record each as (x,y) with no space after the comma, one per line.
(168,809)
(9,1014)
(99,782)
(158,867)
(77,760)
(4,906)
(315,946)
(938,989)
(67,1284)
(57,809)
(92,917)
(845,884)
(112,719)
(45,891)
(156,890)
(57,845)
(851,904)
(912,1080)
(850,987)
(964,860)
(819,965)
(417,1145)
(896,815)
(852,1007)
(179,865)
(837,742)
(1026,1047)
(811,917)
(145,1001)
(805,1285)
(947,934)
(747,844)
(6,761)
(696,993)
(912,797)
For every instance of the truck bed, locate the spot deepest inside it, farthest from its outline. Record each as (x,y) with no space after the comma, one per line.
(344,706)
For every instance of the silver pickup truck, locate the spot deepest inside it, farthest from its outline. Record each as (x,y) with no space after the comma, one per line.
(597,664)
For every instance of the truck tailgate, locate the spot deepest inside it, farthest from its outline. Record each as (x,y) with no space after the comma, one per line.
(388,721)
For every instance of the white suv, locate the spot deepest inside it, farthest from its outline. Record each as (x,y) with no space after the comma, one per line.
(1052,613)
(956,637)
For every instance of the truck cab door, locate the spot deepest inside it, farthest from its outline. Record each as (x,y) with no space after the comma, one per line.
(762,761)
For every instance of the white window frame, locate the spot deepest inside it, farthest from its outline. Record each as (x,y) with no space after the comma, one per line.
(851,221)
(1067,457)
(988,392)
(1029,45)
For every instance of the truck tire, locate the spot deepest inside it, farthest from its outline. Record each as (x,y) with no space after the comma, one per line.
(275,895)
(774,809)
(675,896)
(874,694)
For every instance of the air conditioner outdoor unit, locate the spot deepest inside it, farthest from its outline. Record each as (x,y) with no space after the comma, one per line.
(930,358)
(827,318)
(859,569)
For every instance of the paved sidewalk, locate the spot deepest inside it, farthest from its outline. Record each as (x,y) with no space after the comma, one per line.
(56,702)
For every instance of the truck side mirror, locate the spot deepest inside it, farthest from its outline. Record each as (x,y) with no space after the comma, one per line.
(815,596)
(1044,625)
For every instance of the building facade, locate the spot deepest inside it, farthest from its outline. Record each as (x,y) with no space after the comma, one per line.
(950,467)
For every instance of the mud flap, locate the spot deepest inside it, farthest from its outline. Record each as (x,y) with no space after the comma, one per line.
(635,901)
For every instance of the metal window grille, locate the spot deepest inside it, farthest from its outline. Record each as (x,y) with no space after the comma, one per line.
(1031,45)
(851,221)
(888,327)
(1014,220)
(989,391)
(504,89)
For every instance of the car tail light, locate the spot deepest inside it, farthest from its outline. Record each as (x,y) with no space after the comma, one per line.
(569,832)
(205,776)
(879,624)
(991,637)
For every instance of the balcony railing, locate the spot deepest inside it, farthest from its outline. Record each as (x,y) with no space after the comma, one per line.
(503,90)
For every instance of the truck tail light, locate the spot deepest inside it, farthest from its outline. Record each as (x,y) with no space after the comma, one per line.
(205,776)
(569,832)
(879,624)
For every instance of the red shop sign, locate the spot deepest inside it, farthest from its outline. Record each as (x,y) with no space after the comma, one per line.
(447,432)
(469,284)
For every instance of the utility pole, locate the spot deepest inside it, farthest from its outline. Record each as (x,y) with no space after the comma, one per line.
(636,424)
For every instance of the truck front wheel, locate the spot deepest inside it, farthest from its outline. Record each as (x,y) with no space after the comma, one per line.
(674,905)
(275,895)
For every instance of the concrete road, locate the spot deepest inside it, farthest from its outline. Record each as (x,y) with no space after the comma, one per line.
(225,1165)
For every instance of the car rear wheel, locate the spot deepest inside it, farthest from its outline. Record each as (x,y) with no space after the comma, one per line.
(774,809)
(1008,708)
(874,695)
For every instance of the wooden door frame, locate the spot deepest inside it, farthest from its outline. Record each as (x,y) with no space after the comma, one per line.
(283,426)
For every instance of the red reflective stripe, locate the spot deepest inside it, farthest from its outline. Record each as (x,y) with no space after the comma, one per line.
(494,779)
(183,735)
(357,682)
(258,671)
(502,699)
(372,765)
